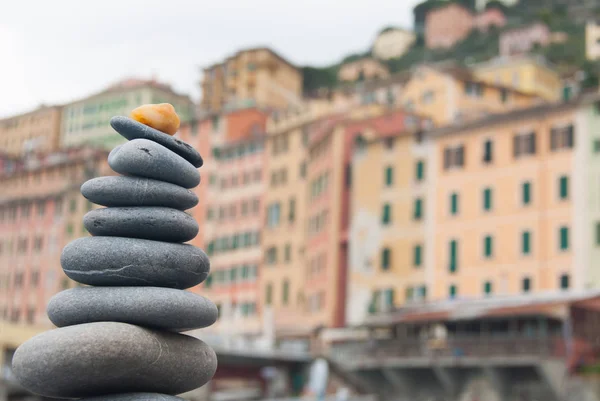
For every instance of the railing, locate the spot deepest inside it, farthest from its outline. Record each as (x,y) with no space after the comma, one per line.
(476,346)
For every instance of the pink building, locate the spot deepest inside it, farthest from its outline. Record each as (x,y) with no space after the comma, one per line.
(522,40)
(446,26)
(492,17)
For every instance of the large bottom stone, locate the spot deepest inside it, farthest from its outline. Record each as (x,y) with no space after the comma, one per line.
(160,308)
(134,397)
(106,358)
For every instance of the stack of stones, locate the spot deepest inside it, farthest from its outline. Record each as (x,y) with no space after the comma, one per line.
(118,337)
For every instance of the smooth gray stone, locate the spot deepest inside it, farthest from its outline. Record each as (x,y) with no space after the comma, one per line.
(95,359)
(155,223)
(134,191)
(119,261)
(144,158)
(154,307)
(132,129)
(134,397)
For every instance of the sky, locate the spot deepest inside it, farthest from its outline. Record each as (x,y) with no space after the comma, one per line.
(57,51)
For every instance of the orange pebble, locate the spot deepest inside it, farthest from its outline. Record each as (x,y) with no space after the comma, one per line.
(158,116)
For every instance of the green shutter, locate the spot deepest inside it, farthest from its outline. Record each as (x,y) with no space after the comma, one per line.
(487,199)
(389,176)
(526,284)
(389,297)
(452,291)
(487,287)
(526,242)
(453,257)
(488,245)
(269,294)
(564,187)
(564,281)
(385,258)
(564,238)
(409,293)
(387,214)
(454,203)
(418,212)
(597,233)
(526,193)
(420,170)
(286,292)
(208,281)
(417,255)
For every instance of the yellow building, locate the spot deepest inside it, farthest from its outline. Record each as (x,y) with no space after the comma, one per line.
(449,94)
(392,43)
(252,77)
(38,130)
(528,74)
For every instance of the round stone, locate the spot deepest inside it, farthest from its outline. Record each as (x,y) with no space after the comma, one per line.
(134,397)
(134,191)
(154,307)
(132,129)
(155,223)
(96,359)
(144,158)
(119,261)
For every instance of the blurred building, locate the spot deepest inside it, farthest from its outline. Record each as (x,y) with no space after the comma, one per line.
(86,121)
(448,93)
(532,75)
(481,4)
(448,25)
(522,40)
(362,70)
(257,77)
(592,40)
(392,42)
(37,130)
(41,210)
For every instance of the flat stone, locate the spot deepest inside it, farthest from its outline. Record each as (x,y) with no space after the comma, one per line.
(132,129)
(153,307)
(134,397)
(95,359)
(134,191)
(155,223)
(144,158)
(119,261)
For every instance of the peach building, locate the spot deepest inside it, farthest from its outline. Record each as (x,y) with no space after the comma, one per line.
(448,25)
(592,40)
(363,70)
(257,77)
(37,130)
(449,94)
(522,40)
(41,210)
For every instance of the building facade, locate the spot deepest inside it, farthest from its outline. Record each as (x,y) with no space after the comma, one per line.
(36,131)
(448,25)
(257,77)
(362,70)
(392,43)
(522,40)
(592,40)
(86,121)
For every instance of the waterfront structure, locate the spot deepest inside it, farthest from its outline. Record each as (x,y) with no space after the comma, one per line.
(86,121)
(34,131)
(532,75)
(363,69)
(256,77)
(448,93)
(392,42)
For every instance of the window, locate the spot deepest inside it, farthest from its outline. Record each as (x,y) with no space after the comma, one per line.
(562,138)
(427,97)
(487,287)
(563,187)
(452,291)
(596,145)
(503,95)
(526,242)
(487,199)
(386,256)
(38,243)
(269,294)
(418,209)
(41,208)
(488,246)
(597,233)
(244,208)
(453,263)
(453,203)
(487,151)
(288,253)
(292,210)
(454,157)
(271,255)
(420,170)
(526,285)
(417,255)
(524,144)
(526,191)
(564,282)
(286,292)
(70,229)
(302,169)
(564,238)
(474,89)
(386,215)
(348,176)
(389,176)
(273,215)
(73,205)
(389,299)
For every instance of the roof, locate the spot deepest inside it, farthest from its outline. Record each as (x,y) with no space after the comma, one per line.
(498,306)
(537,59)
(519,114)
(41,108)
(251,49)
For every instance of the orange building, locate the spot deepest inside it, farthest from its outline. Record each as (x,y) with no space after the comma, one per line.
(37,130)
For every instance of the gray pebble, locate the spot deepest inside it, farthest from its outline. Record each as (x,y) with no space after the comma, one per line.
(144,158)
(132,129)
(155,223)
(119,261)
(105,358)
(134,191)
(159,308)
(134,397)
